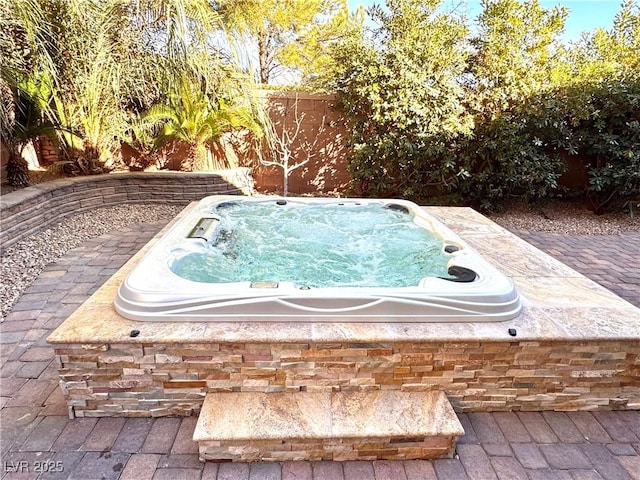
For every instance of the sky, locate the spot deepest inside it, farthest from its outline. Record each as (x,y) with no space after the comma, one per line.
(584,15)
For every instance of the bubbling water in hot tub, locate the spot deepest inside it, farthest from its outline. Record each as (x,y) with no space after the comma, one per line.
(325,245)
(315,260)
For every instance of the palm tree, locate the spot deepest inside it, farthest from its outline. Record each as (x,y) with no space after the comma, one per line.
(13,135)
(110,61)
(25,63)
(58,75)
(29,102)
(199,120)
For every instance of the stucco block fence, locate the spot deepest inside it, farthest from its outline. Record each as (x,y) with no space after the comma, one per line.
(27,211)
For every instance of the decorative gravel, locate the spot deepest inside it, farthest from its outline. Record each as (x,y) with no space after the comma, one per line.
(25,260)
(565,218)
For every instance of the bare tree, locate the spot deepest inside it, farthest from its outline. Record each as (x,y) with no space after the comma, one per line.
(286,144)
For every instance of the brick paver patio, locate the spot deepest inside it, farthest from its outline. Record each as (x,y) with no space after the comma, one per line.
(39,441)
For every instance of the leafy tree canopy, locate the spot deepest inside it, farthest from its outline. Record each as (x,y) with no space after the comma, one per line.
(284,34)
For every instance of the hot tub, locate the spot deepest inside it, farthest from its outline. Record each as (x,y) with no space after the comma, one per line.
(209,268)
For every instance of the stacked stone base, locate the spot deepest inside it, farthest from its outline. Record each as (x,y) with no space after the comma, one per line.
(156,379)
(359,448)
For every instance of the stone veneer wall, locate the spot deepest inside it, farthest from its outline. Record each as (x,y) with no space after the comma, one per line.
(32,209)
(146,379)
(338,449)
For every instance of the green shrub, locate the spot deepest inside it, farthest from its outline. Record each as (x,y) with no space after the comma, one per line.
(400,91)
(494,116)
(609,139)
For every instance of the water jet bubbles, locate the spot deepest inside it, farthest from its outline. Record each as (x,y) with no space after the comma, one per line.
(322,245)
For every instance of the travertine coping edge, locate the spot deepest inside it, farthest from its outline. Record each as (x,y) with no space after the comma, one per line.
(558,304)
(272,416)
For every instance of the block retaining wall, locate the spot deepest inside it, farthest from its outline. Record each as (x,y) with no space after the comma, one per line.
(156,379)
(27,211)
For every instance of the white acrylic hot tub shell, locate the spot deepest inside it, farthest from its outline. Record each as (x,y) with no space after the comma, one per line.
(152,292)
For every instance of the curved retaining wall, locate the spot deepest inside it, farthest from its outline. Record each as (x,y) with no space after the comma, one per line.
(27,211)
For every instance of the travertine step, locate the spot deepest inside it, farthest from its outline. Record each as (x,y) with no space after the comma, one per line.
(356,425)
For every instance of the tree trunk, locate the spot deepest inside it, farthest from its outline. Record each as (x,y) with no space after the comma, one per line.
(186,165)
(17,167)
(17,170)
(286,182)
(263,58)
(200,158)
